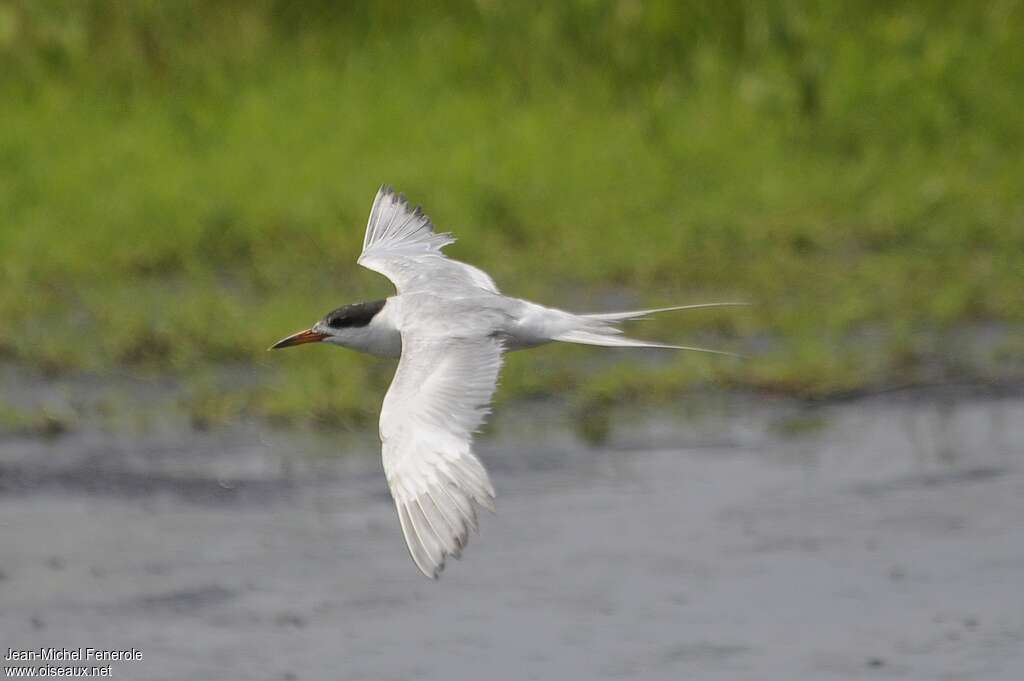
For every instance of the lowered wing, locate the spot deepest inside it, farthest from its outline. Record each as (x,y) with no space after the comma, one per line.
(439,397)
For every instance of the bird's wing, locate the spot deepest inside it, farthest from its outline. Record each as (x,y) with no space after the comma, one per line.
(401,244)
(439,397)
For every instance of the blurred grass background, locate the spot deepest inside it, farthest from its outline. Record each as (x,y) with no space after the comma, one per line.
(183,183)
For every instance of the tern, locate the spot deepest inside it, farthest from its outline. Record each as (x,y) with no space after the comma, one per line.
(449,326)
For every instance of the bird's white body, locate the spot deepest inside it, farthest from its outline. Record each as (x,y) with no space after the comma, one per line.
(450,326)
(518,323)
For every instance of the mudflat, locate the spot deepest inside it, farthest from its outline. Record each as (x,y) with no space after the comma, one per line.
(880,537)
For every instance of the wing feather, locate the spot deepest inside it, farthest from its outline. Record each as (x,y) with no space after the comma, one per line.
(416,548)
(425,534)
(395,226)
(401,244)
(457,526)
(459,504)
(438,399)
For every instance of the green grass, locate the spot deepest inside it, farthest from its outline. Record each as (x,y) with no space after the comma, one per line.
(181,184)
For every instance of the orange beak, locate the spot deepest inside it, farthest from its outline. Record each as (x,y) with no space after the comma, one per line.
(307,336)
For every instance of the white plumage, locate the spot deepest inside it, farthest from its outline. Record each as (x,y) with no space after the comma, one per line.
(451,326)
(401,244)
(437,400)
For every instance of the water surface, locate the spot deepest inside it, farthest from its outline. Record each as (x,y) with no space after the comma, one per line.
(734,538)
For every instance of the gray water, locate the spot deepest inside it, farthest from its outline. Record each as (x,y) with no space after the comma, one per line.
(733,538)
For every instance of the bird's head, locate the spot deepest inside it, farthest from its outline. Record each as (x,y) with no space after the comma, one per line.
(347,326)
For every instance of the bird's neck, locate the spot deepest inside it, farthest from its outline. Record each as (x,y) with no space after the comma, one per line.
(381,336)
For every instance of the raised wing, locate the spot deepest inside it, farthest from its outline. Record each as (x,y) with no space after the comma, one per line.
(401,244)
(437,400)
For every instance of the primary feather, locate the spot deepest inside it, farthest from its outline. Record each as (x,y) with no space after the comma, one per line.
(401,244)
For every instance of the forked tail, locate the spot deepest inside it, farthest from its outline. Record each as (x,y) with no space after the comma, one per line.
(600,329)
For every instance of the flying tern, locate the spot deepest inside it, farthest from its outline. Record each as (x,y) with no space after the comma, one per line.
(450,326)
